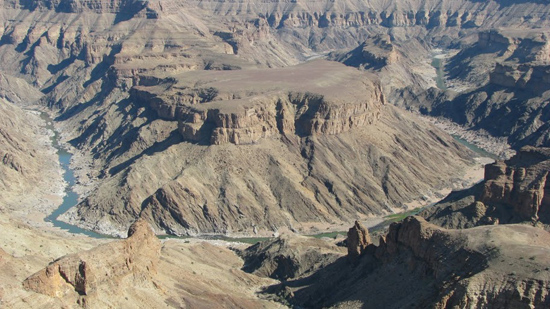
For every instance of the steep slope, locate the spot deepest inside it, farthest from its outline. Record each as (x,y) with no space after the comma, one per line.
(420,265)
(263,150)
(505,76)
(94,62)
(289,256)
(514,191)
(141,272)
(26,156)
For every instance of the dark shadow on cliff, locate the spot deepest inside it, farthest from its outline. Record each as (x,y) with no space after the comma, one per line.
(398,280)
(174,138)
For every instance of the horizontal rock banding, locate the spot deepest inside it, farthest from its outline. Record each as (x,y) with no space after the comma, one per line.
(229,113)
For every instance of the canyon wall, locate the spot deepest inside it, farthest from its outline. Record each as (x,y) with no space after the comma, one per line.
(103,67)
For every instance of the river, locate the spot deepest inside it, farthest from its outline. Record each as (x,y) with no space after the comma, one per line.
(70,198)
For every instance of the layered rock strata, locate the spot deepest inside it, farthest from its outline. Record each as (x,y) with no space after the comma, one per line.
(521,182)
(140,271)
(420,265)
(238,152)
(506,73)
(100,79)
(513,191)
(241,107)
(289,256)
(133,259)
(358,240)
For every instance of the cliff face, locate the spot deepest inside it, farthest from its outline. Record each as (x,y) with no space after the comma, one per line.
(134,272)
(280,102)
(28,163)
(115,73)
(507,76)
(289,257)
(135,259)
(513,191)
(521,182)
(420,265)
(244,151)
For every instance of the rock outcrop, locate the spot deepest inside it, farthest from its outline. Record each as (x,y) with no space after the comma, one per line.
(420,265)
(107,83)
(239,107)
(280,181)
(503,79)
(121,273)
(375,53)
(357,241)
(246,151)
(135,259)
(513,191)
(521,182)
(28,163)
(289,256)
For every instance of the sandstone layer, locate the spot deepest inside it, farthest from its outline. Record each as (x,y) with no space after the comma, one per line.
(132,260)
(98,63)
(140,271)
(289,256)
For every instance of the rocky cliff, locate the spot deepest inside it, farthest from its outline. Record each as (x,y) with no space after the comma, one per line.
(140,271)
(357,241)
(31,181)
(239,107)
(505,73)
(260,150)
(515,190)
(289,256)
(104,68)
(134,259)
(521,182)
(420,265)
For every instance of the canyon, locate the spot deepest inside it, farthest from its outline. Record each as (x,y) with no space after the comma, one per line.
(274,119)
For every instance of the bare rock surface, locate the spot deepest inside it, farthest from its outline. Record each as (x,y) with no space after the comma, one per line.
(504,88)
(142,92)
(31,180)
(283,181)
(134,259)
(241,151)
(289,256)
(514,191)
(358,240)
(141,271)
(100,67)
(420,265)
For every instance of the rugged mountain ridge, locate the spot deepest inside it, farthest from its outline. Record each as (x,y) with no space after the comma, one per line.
(258,154)
(133,259)
(421,265)
(514,191)
(502,79)
(140,271)
(86,75)
(241,107)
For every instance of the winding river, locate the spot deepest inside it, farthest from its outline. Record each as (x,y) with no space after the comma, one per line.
(70,198)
